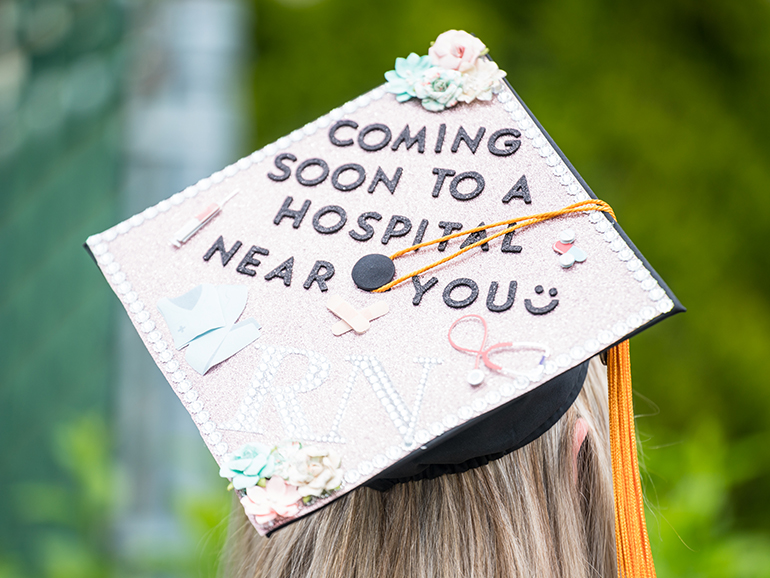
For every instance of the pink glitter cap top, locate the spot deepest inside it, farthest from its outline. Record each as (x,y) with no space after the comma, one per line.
(305,386)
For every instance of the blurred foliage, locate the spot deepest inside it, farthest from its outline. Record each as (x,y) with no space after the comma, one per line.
(62,73)
(72,515)
(663,108)
(59,80)
(204,519)
(71,510)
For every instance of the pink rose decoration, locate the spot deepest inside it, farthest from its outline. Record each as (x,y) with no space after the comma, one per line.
(277,498)
(456,50)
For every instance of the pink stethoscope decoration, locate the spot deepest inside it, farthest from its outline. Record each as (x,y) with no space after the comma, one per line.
(476,375)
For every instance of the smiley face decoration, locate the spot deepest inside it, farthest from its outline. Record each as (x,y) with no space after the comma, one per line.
(304,380)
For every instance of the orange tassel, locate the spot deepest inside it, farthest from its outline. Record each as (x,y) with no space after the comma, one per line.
(633,545)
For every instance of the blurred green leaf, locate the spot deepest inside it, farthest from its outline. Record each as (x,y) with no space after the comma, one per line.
(41,502)
(85,452)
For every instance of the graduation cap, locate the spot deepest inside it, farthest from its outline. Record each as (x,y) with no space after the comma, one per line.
(406,287)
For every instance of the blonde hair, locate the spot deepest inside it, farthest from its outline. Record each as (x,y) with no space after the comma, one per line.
(523,515)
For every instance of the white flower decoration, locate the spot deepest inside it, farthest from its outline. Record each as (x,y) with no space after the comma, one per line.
(315,471)
(481,81)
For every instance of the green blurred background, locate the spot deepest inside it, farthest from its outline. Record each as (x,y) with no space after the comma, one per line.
(661,106)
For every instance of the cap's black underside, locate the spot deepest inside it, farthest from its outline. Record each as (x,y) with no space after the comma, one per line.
(490,436)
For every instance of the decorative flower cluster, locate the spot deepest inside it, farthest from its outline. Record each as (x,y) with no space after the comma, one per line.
(452,72)
(280,480)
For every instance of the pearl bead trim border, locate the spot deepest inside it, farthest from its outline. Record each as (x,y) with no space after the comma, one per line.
(660,302)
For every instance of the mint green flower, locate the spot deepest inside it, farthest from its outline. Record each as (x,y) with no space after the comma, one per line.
(407,72)
(439,88)
(246,466)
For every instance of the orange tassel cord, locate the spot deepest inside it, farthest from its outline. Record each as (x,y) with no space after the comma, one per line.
(633,544)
